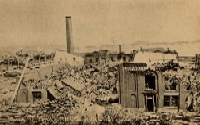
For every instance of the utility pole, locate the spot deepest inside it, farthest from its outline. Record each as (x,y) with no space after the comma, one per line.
(179,97)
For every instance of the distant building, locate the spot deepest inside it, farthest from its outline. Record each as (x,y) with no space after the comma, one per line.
(105,56)
(187,59)
(187,62)
(91,58)
(155,58)
(41,59)
(71,59)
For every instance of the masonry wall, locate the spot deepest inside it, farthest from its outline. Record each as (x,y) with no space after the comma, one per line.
(129,98)
(26,96)
(161,89)
(22,96)
(130,88)
(127,85)
(183,95)
(141,88)
(121,84)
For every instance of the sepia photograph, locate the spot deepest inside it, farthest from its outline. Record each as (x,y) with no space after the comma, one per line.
(99,62)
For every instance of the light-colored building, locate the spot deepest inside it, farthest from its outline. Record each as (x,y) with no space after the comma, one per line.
(73,60)
(152,58)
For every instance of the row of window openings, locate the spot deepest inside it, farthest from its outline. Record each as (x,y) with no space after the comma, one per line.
(171,101)
(112,59)
(152,87)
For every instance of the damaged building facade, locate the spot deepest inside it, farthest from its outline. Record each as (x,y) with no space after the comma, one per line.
(148,90)
(31,92)
(35,92)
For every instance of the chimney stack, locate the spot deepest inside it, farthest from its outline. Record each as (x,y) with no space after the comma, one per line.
(70,48)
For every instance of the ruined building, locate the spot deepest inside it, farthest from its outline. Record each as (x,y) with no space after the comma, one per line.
(146,90)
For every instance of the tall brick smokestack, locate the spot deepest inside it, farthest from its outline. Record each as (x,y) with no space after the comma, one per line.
(70,48)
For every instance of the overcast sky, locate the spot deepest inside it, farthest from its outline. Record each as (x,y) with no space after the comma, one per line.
(95,22)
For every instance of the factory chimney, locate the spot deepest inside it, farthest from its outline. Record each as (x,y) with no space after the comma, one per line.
(70,48)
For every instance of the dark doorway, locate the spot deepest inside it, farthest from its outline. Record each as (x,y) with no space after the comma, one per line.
(150,106)
(50,96)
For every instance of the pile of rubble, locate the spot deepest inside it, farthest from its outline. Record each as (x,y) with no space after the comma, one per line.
(76,91)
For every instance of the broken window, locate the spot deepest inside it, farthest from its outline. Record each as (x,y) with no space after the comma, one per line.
(90,60)
(37,95)
(170,86)
(188,86)
(174,101)
(173,86)
(150,82)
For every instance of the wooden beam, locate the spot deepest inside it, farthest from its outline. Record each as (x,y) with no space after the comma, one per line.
(19,82)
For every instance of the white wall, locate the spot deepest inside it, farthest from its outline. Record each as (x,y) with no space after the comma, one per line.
(73,60)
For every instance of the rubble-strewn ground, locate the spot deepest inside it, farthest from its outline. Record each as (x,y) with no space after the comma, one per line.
(70,104)
(7,87)
(92,106)
(98,85)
